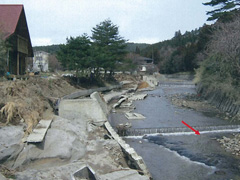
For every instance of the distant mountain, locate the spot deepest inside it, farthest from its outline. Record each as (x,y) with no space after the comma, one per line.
(131,47)
(52,49)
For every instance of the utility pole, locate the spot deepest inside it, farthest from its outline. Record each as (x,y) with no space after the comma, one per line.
(152,55)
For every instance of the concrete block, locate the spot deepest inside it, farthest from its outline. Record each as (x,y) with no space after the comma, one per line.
(134,116)
(39,131)
(137,97)
(83,108)
(119,102)
(101,102)
(131,153)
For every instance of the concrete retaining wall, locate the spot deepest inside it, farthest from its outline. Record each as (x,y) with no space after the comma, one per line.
(220,100)
(90,91)
(87,108)
(130,152)
(95,109)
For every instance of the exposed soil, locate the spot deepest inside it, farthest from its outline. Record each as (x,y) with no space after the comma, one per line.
(30,100)
(196,102)
(143,85)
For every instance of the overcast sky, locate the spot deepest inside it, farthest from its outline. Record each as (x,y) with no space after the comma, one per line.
(139,21)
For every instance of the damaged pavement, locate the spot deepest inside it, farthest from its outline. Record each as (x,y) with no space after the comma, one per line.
(78,137)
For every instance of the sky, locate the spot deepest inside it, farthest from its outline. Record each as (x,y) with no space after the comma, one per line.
(139,21)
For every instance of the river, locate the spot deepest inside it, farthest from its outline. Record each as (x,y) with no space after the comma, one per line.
(179,156)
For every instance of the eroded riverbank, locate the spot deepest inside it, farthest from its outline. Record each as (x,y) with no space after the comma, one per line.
(180,156)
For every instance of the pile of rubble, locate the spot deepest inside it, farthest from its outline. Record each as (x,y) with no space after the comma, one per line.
(231,144)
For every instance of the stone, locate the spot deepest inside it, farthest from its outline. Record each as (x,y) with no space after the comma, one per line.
(66,139)
(10,142)
(137,97)
(134,116)
(39,131)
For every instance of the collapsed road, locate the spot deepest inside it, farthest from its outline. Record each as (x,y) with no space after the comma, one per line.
(67,145)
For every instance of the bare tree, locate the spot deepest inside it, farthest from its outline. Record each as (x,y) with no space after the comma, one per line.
(54,64)
(226,43)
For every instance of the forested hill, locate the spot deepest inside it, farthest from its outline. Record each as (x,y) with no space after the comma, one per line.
(181,52)
(131,47)
(136,47)
(52,49)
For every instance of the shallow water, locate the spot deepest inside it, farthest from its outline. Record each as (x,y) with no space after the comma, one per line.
(179,156)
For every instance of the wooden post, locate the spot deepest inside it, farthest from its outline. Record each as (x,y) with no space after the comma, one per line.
(17,63)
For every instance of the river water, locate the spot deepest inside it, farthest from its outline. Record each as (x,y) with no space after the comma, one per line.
(179,156)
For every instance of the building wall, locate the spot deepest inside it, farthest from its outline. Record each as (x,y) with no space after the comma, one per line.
(40,61)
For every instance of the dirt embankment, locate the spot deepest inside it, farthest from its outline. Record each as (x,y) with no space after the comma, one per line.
(30,100)
(196,102)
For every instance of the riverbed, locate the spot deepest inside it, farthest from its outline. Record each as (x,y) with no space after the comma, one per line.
(179,155)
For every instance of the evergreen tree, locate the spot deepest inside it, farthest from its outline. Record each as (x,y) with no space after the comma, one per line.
(108,46)
(75,55)
(224,9)
(137,51)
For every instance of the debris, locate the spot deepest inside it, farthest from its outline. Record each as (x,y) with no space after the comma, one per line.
(119,102)
(9,111)
(126,105)
(231,144)
(122,128)
(134,116)
(86,172)
(137,97)
(39,132)
(143,85)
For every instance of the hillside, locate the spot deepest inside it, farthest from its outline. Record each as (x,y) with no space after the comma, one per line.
(181,53)
(52,49)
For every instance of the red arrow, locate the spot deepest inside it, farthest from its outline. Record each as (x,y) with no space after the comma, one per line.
(196,131)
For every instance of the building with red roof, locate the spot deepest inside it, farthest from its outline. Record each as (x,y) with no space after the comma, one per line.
(14,30)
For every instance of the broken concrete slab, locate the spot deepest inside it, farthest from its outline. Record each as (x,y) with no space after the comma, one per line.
(151,80)
(132,116)
(119,102)
(101,102)
(127,105)
(114,94)
(130,152)
(85,172)
(137,97)
(83,108)
(39,131)
(90,91)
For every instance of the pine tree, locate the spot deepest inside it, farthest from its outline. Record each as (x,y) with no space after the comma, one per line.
(75,55)
(224,9)
(108,46)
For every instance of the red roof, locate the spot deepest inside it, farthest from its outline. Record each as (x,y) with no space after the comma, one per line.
(9,16)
